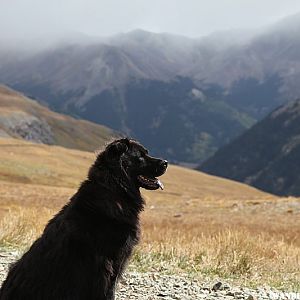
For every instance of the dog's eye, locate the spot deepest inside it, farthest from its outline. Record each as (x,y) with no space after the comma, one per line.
(141,159)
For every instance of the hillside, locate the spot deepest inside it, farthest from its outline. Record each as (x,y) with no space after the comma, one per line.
(266,156)
(25,162)
(39,175)
(24,118)
(173,119)
(201,225)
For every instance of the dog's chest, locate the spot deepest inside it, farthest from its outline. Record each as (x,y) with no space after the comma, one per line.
(128,241)
(116,239)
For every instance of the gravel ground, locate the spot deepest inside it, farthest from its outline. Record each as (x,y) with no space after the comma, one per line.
(150,286)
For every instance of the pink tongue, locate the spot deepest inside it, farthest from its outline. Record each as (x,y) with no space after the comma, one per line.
(160,184)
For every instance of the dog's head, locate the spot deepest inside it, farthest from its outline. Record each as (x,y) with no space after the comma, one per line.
(135,163)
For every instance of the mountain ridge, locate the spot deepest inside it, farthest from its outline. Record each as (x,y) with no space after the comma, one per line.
(21,117)
(266,155)
(96,80)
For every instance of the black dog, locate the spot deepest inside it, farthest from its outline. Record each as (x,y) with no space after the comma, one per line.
(84,248)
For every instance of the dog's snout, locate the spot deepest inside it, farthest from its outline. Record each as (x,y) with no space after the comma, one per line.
(164,163)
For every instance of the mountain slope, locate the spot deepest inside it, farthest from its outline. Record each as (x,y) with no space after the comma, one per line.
(243,77)
(174,119)
(24,162)
(78,72)
(24,118)
(266,156)
(261,73)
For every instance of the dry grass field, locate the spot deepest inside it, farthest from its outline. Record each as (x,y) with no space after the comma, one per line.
(199,225)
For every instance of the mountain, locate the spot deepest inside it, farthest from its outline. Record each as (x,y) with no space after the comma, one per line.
(174,119)
(79,71)
(264,72)
(21,117)
(266,156)
(116,80)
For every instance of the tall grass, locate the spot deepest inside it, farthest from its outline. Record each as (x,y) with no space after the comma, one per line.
(20,226)
(237,255)
(234,254)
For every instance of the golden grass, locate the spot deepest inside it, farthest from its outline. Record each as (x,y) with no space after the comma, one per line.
(199,225)
(26,162)
(234,254)
(20,226)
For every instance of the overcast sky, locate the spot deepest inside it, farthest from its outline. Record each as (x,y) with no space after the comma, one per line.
(34,18)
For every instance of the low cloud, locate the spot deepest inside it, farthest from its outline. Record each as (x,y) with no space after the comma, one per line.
(28,19)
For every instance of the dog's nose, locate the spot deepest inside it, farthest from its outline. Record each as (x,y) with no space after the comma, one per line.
(164,163)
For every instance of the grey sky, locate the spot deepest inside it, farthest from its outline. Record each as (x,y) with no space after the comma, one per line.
(32,18)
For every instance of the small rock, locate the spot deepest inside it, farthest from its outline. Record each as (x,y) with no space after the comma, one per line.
(177,216)
(162,295)
(217,286)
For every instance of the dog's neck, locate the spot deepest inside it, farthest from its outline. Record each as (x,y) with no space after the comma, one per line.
(107,202)
(113,178)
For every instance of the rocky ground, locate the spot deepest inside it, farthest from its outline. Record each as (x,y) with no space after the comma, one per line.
(150,286)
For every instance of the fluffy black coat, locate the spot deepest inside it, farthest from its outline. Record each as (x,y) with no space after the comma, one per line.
(84,248)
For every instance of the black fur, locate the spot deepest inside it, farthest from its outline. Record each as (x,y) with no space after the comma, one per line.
(84,248)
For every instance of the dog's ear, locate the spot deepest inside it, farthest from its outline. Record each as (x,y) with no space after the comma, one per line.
(115,149)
